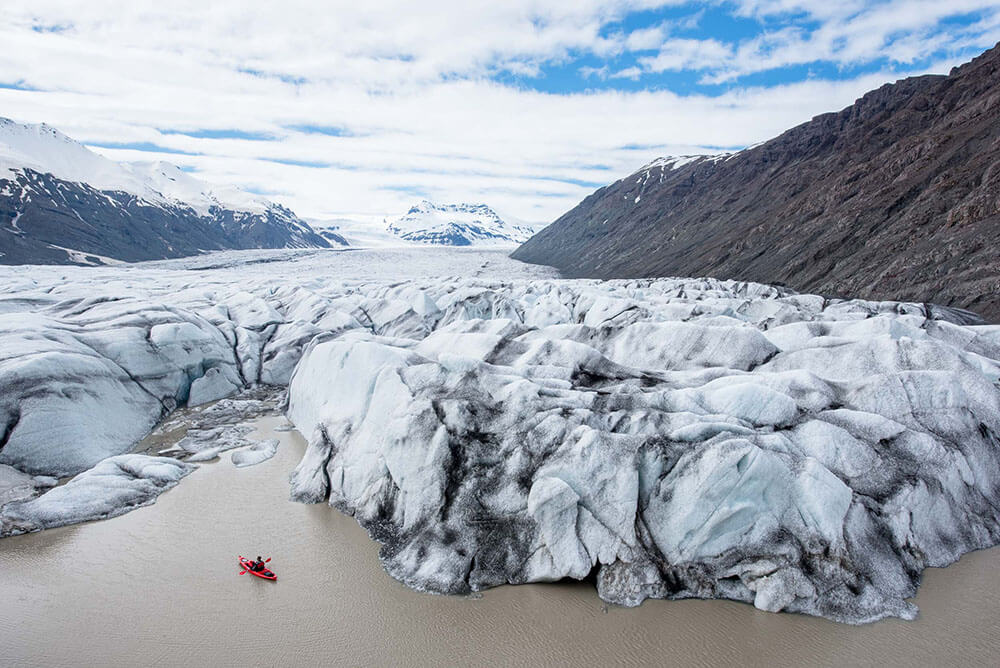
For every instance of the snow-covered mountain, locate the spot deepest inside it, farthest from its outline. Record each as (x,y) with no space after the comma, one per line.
(362,232)
(459,225)
(62,203)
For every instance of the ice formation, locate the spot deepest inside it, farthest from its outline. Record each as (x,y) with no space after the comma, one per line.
(113,487)
(222,426)
(670,438)
(259,452)
(18,486)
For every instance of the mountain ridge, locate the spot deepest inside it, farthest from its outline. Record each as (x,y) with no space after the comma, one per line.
(61,203)
(894,197)
(457,225)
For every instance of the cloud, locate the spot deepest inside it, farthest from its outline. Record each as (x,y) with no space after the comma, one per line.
(588,71)
(854,33)
(343,109)
(688,54)
(633,73)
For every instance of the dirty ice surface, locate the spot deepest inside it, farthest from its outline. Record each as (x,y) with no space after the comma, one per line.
(488,423)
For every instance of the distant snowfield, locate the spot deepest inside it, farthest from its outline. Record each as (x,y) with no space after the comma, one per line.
(490,423)
(370,233)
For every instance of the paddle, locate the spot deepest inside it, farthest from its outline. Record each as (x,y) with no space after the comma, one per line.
(246,569)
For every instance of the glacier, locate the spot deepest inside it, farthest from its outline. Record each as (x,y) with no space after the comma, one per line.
(113,487)
(664,438)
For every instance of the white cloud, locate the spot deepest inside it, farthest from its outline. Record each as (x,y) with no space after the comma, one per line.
(688,54)
(409,92)
(588,71)
(853,33)
(646,39)
(633,73)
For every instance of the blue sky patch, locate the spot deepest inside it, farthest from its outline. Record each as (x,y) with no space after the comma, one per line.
(328,130)
(712,50)
(299,163)
(222,134)
(141,146)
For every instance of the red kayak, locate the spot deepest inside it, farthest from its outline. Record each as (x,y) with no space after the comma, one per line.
(266,574)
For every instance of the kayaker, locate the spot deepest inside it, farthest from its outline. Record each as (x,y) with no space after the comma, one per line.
(258,565)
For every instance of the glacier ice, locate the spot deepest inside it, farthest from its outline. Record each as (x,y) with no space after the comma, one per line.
(259,452)
(668,438)
(19,486)
(221,426)
(665,458)
(113,487)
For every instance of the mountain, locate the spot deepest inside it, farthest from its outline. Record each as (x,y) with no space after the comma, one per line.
(61,203)
(458,225)
(896,196)
(366,232)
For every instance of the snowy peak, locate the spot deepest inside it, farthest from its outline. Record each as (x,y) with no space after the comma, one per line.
(427,206)
(30,141)
(44,149)
(170,183)
(61,203)
(458,225)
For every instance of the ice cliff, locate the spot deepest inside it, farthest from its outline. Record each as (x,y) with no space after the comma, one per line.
(668,438)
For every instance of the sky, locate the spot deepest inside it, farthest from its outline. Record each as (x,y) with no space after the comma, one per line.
(360,109)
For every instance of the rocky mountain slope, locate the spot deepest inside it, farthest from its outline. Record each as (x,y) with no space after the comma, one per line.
(458,225)
(61,203)
(896,196)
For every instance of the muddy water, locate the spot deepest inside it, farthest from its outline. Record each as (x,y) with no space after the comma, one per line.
(159,587)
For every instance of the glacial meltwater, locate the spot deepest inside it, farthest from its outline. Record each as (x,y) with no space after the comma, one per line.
(159,586)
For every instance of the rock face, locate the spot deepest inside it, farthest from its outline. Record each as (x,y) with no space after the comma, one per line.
(895,197)
(62,204)
(457,225)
